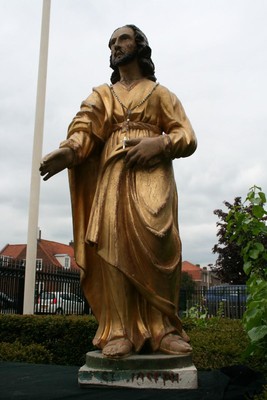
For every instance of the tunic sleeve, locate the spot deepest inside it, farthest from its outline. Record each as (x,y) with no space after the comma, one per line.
(86,131)
(177,126)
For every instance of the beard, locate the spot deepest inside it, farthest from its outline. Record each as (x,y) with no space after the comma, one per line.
(123,59)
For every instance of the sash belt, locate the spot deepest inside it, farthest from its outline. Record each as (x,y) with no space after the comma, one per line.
(138,125)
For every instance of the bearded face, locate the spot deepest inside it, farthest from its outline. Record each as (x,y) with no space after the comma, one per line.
(121,59)
(123,47)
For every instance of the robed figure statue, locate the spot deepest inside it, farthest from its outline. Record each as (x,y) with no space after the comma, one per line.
(119,151)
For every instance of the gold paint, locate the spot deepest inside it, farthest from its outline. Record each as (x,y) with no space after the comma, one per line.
(125,219)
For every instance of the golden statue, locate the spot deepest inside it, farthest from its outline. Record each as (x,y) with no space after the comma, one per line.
(119,152)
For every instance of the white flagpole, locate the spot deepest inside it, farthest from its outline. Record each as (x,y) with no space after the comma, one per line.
(29,288)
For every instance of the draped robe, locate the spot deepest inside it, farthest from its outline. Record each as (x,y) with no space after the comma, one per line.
(125,220)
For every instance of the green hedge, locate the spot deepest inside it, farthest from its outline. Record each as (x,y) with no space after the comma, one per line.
(32,353)
(65,340)
(218,343)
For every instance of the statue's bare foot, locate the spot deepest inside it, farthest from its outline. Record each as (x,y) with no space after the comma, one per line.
(174,344)
(185,337)
(118,348)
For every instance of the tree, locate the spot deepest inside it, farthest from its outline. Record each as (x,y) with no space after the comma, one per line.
(229,264)
(187,283)
(187,289)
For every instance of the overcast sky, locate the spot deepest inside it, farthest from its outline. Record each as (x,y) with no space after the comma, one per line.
(211,53)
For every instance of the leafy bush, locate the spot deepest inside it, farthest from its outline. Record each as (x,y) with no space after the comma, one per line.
(33,353)
(217,342)
(263,395)
(246,226)
(67,339)
(220,343)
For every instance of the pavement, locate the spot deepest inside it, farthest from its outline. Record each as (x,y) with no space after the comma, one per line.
(25,381)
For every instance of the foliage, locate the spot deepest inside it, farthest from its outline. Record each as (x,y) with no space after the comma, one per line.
(32,353)
(263,395)
(246,226)
(187,283)
(65,340)
(218,344)
(187,290)
(199,315)
(229,264)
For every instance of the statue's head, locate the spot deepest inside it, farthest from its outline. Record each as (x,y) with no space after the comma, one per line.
(142,52)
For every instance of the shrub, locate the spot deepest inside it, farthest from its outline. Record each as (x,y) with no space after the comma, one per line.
(65,340)
(219,342)
(263,395)
(246,226)
(33,353)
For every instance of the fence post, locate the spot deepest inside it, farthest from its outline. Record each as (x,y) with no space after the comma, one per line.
(21,285)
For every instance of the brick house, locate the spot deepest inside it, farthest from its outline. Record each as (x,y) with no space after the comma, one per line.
(48,253)
(56,269)
(202,276)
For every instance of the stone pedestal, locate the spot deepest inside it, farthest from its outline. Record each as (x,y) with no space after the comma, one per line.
(156,371)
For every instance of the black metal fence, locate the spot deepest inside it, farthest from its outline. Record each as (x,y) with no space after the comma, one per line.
(58,291)
(223,300)
(11,286)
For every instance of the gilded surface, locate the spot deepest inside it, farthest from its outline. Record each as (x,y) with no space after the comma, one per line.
(125,219)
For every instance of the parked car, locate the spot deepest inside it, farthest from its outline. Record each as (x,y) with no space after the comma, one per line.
(228,299)
(7,304)
(59,303)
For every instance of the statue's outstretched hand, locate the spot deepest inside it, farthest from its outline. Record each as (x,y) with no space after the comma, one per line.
(55,162)
(143,150)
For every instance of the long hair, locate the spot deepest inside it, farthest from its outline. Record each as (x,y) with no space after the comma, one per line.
(143,56)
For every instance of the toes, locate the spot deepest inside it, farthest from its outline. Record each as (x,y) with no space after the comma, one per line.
(174,344)
(117,348)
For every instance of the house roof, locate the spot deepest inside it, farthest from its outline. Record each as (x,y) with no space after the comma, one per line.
(193,270)
(46,250)
(51,249)
(13,250)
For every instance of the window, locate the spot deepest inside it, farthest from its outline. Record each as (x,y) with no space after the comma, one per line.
(67,262)
(64,260)
(5,260)
(39,264)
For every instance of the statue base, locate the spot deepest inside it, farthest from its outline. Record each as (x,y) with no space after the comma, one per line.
(154,371)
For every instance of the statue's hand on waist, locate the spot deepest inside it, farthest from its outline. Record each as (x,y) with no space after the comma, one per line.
(143,150)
